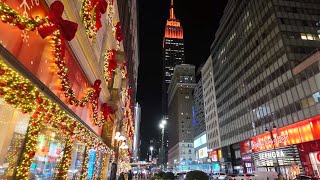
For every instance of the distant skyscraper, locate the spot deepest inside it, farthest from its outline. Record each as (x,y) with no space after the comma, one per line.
(180,127)
(173,53)
(199,123)
(198,109)
(136,141)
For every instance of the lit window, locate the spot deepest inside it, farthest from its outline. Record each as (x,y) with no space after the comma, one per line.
(305,36)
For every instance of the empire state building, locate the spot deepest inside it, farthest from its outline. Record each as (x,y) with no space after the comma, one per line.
(173,53)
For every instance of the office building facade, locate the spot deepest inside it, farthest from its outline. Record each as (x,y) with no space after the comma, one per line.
(210,107)
(180,129)
(266,90)
(198,109)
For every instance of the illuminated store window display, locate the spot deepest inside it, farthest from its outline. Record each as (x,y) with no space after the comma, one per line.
(91,164)
(13,128)
(48,155)
(77,159)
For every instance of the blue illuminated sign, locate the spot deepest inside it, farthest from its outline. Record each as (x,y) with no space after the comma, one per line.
(91,164)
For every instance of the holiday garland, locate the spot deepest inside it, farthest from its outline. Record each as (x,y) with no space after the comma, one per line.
(110,12)
(84,172)
(110,64)
(119,34)
(10,16)
(96,164)
(124,72)
(91,15)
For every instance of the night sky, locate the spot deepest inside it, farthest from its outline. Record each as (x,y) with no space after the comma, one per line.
(200,21)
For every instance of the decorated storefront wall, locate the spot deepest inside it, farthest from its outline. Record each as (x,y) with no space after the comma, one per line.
(51,132)
(38,37)
(37,55)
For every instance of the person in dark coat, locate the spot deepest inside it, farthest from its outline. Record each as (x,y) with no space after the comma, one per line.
(121,177)
(130,175)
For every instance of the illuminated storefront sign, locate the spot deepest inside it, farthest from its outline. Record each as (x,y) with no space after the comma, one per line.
(200,141)
(267,142)
(203,152)
(246,157)
(271,154)
(304,131)
(213,155)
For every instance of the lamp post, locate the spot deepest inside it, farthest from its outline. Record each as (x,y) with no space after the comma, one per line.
(162,127)
(151,149)
(274,147)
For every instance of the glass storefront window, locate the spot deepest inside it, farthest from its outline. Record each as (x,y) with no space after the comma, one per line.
(77,159)
(48,154)
(13,128)
(91,164)
(100,164)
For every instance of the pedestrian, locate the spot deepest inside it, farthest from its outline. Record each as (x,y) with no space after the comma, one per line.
(130,175)
(126,176)
(121,177)
(281,177)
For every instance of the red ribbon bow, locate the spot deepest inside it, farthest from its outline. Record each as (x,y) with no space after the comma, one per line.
(67,28)
(107,111)
(119,34)
(113,63)
(96,87)
(101,8)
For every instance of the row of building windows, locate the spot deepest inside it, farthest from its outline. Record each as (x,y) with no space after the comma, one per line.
(293,98)
(249,73)
(248,55)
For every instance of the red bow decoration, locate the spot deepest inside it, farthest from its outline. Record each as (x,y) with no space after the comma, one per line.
(129,92)
(2,72)
(119,34)
(67,28)
(124,65)
(107,111)
(113,63)
(101,8)
(96,87)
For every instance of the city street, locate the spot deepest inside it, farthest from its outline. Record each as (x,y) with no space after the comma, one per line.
(159,89)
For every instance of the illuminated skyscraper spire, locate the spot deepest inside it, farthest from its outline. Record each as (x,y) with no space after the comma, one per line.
(172,16)
(173,27)
(173,53)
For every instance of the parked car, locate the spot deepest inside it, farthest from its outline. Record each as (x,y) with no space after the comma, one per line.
(181,175)
(245,177)
(220,175)
(231,176)
(303,177)
(265,175)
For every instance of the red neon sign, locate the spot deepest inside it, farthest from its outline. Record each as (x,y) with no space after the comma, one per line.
(304,131)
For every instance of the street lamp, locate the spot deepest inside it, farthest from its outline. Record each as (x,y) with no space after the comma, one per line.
(162,127)
(151,149)
(121,140)
(274,147)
